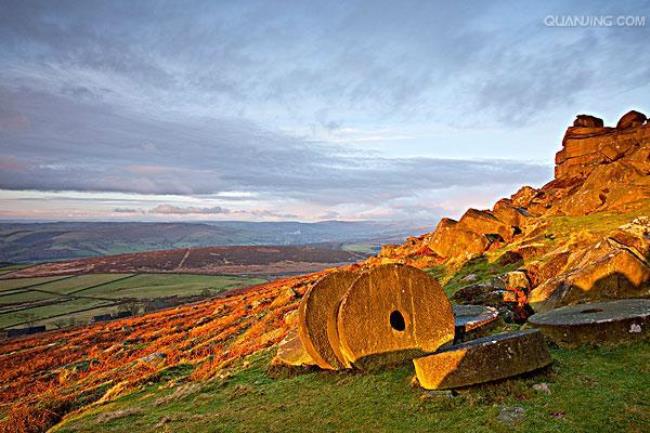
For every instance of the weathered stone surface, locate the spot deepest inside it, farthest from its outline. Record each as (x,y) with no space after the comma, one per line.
(393,309)
(485,223)
(483,360)
(596,323)
(471,320)
(612,186)
(582,152)
(524,196)
(586,120)
(513,216)
(616,267)
(318,315)
(631,119)
(291,352)
(452,240)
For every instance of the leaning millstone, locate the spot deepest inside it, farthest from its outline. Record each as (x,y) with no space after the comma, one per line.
(484,360)
(318,314)
(596,323)
(396,310)
(472,320)
(291,353)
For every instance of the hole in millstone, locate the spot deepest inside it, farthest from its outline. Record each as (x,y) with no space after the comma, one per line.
(397,321)
(591,311)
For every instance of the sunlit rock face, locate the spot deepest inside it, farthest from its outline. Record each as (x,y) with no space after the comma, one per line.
(599,170)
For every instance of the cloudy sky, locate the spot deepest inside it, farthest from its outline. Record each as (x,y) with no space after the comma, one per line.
(297,110)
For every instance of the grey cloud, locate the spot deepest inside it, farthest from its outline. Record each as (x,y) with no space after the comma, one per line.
(390,61)
(94,148)
(166,209)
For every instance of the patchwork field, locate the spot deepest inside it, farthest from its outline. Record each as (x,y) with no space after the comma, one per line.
(57,302)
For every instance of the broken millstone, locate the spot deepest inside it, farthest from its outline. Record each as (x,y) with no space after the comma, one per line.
(596,323)
(483,360)
(471,320)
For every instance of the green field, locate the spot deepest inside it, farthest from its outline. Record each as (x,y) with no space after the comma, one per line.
(64,301)
(589,390)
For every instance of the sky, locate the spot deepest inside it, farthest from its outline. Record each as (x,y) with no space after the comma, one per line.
(298,110)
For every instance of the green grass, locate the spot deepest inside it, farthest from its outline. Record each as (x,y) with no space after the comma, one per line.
(111,288)
(597,223)
(32,315)
(592,390)
(80,282)
(362,248)
(157,285)
(19,283)
(480,266)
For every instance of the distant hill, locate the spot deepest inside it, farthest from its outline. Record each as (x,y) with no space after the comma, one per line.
(36,242)
(230,260)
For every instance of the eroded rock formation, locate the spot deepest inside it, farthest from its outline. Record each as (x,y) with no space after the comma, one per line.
(599,171)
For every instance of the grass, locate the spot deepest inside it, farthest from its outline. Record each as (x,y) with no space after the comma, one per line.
(32,315)
(591,389)
(81,282)
(362,248)
(151,286)
(7,284)
(481,267)
(70,299)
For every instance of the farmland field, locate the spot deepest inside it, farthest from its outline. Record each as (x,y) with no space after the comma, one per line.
(64,301)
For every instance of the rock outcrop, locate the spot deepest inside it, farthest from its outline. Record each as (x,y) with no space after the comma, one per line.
(599,170)
(615,267)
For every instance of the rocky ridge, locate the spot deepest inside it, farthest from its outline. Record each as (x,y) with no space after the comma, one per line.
(602,176)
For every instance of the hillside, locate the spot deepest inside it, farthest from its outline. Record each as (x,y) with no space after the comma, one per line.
(232,260)
(584,235)
(34,242)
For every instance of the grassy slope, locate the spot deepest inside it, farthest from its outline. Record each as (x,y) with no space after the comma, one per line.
(595,390)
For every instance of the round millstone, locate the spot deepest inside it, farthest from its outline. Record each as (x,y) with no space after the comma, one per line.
(483,360)
(317,319)
(596,323)
(473,319)
(393,312)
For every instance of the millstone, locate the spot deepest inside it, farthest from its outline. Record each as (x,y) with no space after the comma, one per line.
(395,310)
(483,360)
(596,323)
(317,322)
(473,319)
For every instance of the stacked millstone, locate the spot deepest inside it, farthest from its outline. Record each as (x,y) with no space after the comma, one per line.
(395,313)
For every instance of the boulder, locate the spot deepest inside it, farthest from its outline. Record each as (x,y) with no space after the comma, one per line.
(607,323)
(450,240)
(631,119)
(581,153)
(393,312)
(524,196)
(486,223)
(483,360)
(318,315)
(473,320)
(616,274)
(587,121)
(291,352)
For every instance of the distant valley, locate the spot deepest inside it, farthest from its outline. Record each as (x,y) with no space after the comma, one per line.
(41,242)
